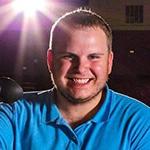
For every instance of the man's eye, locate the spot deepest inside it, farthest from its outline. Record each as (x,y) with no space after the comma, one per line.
(68,57)
(94,57)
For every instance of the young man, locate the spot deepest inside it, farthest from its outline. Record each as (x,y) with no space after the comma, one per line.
(80,112)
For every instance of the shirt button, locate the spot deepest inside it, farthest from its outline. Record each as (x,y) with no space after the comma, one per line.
(73,138)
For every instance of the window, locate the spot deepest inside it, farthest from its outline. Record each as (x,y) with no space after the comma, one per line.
(134,14)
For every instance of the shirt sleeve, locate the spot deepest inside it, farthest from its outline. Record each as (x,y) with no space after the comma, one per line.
(141,132)
(145,143)
(6,126)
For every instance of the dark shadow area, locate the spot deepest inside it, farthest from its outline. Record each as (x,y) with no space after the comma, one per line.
(131,72)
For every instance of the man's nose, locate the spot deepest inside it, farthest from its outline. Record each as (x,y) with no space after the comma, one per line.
(81,65)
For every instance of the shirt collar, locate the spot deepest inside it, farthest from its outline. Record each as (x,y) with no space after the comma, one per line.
(50,112)
(103,113)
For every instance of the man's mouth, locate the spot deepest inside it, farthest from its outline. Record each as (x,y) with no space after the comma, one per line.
(80,80)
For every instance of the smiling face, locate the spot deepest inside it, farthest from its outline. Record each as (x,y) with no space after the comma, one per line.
(81,65)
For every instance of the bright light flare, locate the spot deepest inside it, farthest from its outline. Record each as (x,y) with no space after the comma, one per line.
(29,7)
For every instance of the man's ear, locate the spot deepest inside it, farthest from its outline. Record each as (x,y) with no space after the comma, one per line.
(49,59)
(110,61)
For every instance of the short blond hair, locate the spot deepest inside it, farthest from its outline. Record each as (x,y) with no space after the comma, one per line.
(79,18)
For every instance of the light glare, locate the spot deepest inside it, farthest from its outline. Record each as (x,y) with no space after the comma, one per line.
(28,7)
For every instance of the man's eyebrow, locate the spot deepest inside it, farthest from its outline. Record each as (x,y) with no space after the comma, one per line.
(69,53)
(66,53)
(97,53)
(74,54)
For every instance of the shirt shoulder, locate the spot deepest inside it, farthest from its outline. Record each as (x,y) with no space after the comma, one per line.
(129,108)
(32,104)
(125,101)
(132,117)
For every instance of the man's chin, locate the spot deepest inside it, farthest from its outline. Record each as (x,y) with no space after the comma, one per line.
(76,100)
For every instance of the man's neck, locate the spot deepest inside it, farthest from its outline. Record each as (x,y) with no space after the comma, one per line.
(76,114)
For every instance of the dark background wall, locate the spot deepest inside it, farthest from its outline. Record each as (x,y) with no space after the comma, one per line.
(131,74)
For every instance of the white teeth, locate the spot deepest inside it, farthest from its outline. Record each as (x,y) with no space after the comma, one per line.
(81,81)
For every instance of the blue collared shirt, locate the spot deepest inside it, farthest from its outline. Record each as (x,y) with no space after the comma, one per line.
(35,123)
